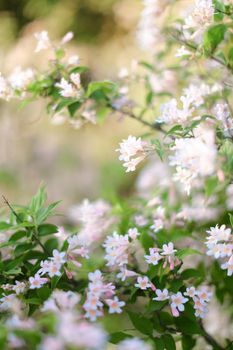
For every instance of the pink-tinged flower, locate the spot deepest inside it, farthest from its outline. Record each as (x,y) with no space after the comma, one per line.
(168,249)
(132,151)
(19,287)
(157,225)
(95,276)
(115,305)
(43,41)
(45,264)
(58,257)
(204,295)
(125,273)
(161,295)
(93,314)
(52,343)
(133,344)
(133,233)
(178,301)
(54,269)
(229,266)
(218,234)
(37,281)
(154,257)
(190,292)
(214,250)
(92,302)
(140,220)
(143,283)
(67,37)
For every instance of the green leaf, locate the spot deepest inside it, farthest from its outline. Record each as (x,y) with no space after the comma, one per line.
(47,229)
(188,342)
(141,323)
(73,107)
(169,342)
(182,253)
(211,185)
(230,57)
(159,148)
(117,337)
(4,226)
(79,69)
(38,200)
(213,37)
(104,87)
(18,235)
(187,326)
(159,343)
(23,248)
(231,219)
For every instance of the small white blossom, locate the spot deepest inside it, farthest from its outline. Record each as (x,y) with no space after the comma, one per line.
(43,41)
(115,305)
(143,283)
(161,295)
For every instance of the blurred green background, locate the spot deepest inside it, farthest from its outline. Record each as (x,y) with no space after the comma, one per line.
(73,164)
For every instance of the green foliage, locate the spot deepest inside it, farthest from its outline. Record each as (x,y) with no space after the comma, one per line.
(213,37)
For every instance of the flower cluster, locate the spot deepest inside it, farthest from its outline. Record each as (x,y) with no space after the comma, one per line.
(94,218)
(133,151)
(201,17)
(200,298)
(220,245)
(51,267)
(98,294)
(194,158)
(117,248)
(167,254)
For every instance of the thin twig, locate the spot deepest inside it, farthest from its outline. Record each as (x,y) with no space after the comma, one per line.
(194,48)
(140,120)
(209,339)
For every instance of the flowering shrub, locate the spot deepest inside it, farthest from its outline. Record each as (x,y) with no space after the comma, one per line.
(159,259)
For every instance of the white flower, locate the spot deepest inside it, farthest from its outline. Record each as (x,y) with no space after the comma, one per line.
(132,151)
(54,269)
(43,41)
(182,51)
(76,79)
(154,257)
(201,16)
(95,276)
(19,79)
(217,234)
(190,292)
(115,305)
(204,295)
(116,247)
(67,89)
(157,225)
(168,249)
(229,266)
(74,60)
(58,257)
(178,301)
(161,295)
(37,281)
(143,283)
(125,273)
(133,344)
(19,287)
(194,157)
(5,91)
(67,37)
(133,233)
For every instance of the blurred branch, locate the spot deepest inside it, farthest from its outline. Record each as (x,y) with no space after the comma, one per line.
(130,114)
(194,48)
